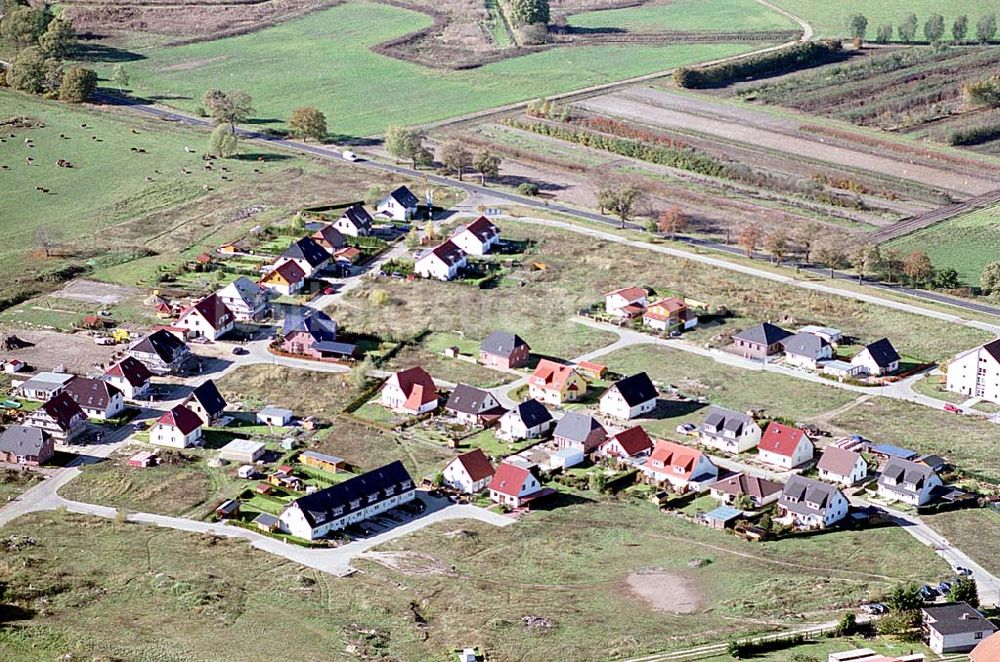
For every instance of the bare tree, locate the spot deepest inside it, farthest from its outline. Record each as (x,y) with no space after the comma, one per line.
(749,239)
(48,238)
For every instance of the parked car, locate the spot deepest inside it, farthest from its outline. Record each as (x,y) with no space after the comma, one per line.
(952,408)
(328,290)
(928,592)
(349,155)
(944,587)
(962,572)
(240,351)
(686,428)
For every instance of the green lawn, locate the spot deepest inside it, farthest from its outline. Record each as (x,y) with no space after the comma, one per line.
(965,529)
(822,647)
(966,243)
(933,386)
(688,15)
(829,19)
(324,60)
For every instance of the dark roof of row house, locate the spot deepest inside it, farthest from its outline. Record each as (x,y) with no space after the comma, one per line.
(762,334)
(467,399)
(62,409)
(319,325)
(719,419)
(502,343)
(405,197)
(132,370)
(882,352)
(807,496)
(208,396)
(577,427)
(308,250)
(331,236)
(92,393)
(532,413)
(804,344)
(320,506)
(181,418)
(482,228)
(22,440)
(476,464)
(162,343)
(635,389)
(956,618)
(216,313)
(746,484)
(898,472)
(838,461)
(993,349)
(247,290)
(359,217)
(448,252)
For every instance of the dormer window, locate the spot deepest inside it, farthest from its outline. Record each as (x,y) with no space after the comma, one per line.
(372,498)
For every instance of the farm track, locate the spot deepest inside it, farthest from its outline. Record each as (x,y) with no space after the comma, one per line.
(677,37)
(921,221)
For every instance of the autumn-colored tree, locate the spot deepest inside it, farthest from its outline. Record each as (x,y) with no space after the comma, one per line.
(749,239)
(806,238)
(892,262)
(867,259)
(672,221)
(455,157)
(778,245)
(307,124)
(918,267)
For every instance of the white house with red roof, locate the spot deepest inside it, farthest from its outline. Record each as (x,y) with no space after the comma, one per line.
(441,262)
(627,302)
(469,473)
(512,485)
(681,467)
(627,444)
(131,377)
(178,428)
(784,446)
(208,318)
(555,383)
(411,390)
(478,237)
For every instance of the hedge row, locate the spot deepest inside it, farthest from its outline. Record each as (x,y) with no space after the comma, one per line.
(975,135)
(795,56)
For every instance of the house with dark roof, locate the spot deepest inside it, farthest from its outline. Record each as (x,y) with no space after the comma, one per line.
(761,341)
(442,262)
(161,352)
(285,278)
(307,254)
(400,205)
(513,486)
(877,358)
(60,417)
(26,445)
(330,238)
(178,428)
(315,515)
(628,444)
(976,373)
(527,420)
(760,491)
(503,349)
(131,377)
(478,237)
(411,390)
(680,467)
(809,504)
(247,300)
(729,431)
(96,397)
(784,446)
(907,481)
(304,334)
(806,350)
(206,402)
(354,222)
(629,398)
(474,406)
(842,466)
(579,431)
(469,473)
(954,627)
(209,318)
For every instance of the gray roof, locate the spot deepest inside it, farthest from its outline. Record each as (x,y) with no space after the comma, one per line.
(719,419)
(22,440)
(246,289)
(501,343)
(532,413)
(405,197)
(467,399)
(275,411)
(956,618)
(898,472)
(242,446)
(799,492)
(320,507)
(804,344)
(763,334)
(308,250)
(47,381)
(636,389)
(577,427)
(358,217)
(164,344)
(266,519)
(317,324)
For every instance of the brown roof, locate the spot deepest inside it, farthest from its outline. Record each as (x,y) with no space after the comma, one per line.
(289,270)
(838,461)
(133,370)
(61,408)
(751,486)
(633,440)
(93,393)
(476,464)
(216,313)
(330,236)
(629,293)
(181,418)
(448,252)
(482,228)
(418,386)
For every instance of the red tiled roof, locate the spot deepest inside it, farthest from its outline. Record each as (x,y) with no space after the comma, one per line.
(665,308)
(509,479)
(417,385)
(476,464)
(448,252)
(780,439)
(482,228)
(182,418)
(550,375)
(633,440)
(629,293)
(988,649)
(677,460)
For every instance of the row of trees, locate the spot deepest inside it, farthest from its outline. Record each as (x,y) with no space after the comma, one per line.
(933,28)
(407,144)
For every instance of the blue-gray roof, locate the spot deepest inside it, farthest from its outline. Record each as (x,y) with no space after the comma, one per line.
(317,324)
(577,427)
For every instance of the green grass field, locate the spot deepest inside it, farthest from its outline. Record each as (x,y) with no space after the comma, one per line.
(829,19)
(966,243)
(964,528)
(688,15)
(324,60)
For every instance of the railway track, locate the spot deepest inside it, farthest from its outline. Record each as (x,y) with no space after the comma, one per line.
(921,221)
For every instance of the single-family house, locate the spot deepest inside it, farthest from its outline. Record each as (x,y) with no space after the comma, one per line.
(729,431)
(329,238)
(503,349)
(555,383)
(512,485)
(976,373)
(44,385)
(400,205)
(206,402)
(208,318)
(442,262)
(839,465)
(131,377)
(60,417)
(286,278)
(626,303)
(629,398)
(307,334)
(827,333)
(26,445)
(760,491)
(878,358)
(473,406)
(681,467)
(580,431)
(784,446)
(469,473)
(161,352)
(274,416)
(307,254)
(987,650)
(14,365)
(954,627)
(669,313)
(329,463)
(761,341)
(356,499)
(628,444)
(806,350)
(244,451)
(411,390)
(246,299)
(96,397)
(907,481)
(354,222)
(266,522)
(478,237)
(178,428)
(807,504)
(527,420)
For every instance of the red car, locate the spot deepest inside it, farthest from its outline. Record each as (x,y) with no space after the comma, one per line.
(328,290)
(952,408)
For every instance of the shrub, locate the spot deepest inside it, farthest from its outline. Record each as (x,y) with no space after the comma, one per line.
(528,188)
(796,56)
(974,135)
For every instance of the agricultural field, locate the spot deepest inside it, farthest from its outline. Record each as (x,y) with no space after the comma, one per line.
(966,243)
(830,19)
(685,15)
